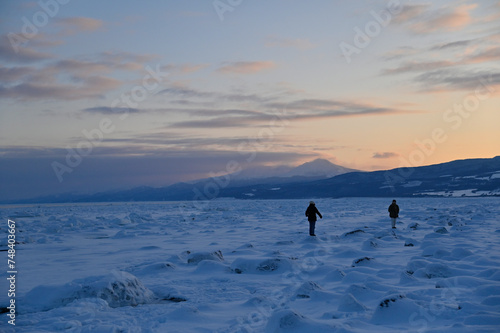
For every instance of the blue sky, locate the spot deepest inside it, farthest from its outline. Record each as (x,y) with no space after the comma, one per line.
(106,95)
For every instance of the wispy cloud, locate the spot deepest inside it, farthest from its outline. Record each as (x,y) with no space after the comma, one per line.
(184,68)
(191,68)
(450,19)
(451,45)
(185,92)
(68,79)
(409,12)
(421,19)
(189,95)
(266,110)
(74,25)
(8,75)
(494,13)
(306,109)
(20,54)
(463,53)
(453,80)
(245,67)
(110,110)
(220,122)
(490,54)
(90,87)
(385,155)
(416,66)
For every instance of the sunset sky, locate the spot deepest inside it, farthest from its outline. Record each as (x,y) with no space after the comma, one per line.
(101,95)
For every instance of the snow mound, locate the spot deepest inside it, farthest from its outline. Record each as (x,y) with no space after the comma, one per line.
(487,290)
(461,282)
(118,289)
(434,270)
(152,268)
(310,289)
(414,226)
(363,293)
(353,233)
(492,320)
(348,303)
(395,309)
(410,242)
(441,230)
(370,245)
(195,258)
(290,321)
(211,267)
(362,261)
(244,265)
(335,275)
(124,234)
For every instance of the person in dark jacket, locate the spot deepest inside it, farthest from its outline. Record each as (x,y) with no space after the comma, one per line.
(393,213)
(311,212)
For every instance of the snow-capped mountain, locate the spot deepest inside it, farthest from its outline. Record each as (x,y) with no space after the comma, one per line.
(319,168)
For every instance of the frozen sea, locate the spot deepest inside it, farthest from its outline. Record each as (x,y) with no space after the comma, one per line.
(251,266)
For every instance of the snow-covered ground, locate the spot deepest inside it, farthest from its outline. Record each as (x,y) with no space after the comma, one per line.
(250,266)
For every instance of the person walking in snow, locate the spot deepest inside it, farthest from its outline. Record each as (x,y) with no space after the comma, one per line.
(393,213)
(311,212)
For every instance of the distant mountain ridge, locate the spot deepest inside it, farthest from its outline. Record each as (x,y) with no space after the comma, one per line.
(319,168)
(471,177)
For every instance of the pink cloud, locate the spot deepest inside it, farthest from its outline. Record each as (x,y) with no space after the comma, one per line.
(73,25)
(184,68)
(191,68)
(245,67)
(445,19)
(491,54)
(457,19)
(410,12)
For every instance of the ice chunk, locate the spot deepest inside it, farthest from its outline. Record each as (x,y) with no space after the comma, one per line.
(117,289)
(310,289)
(441,230)
(291,321)
(243,265)
(352,233)
(395,309)
(195,258)
(362,261)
